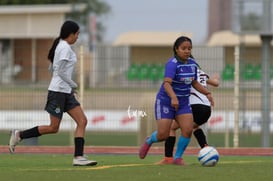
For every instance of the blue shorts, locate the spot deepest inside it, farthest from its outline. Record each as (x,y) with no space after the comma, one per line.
(164,110)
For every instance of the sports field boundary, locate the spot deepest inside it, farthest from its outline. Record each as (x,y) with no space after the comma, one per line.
(131,150)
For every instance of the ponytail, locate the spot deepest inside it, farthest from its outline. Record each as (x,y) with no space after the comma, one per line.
(67,28)
(51,52)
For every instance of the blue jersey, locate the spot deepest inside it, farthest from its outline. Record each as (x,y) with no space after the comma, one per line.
(182,75)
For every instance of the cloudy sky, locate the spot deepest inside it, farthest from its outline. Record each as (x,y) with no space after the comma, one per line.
(157,15)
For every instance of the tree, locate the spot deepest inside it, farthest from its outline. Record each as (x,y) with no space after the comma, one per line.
(96,7)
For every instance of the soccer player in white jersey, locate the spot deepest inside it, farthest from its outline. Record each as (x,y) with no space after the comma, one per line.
(201,110)
(61,96)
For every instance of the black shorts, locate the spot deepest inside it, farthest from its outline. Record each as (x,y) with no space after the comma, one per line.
(201,113)
(59,102)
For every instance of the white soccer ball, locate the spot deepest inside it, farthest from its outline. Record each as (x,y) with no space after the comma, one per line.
(208,156)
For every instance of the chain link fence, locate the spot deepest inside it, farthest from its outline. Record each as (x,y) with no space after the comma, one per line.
(120,84)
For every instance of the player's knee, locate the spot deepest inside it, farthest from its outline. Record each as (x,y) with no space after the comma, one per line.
(82,123)
(187,133)
(162,136)
(54,129)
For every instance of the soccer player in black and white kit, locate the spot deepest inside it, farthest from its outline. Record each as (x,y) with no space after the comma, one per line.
(201,110)
(61,96)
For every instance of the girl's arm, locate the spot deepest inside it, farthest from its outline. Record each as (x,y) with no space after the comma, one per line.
(168,88)
(214,80)
(63,75)
(203,90)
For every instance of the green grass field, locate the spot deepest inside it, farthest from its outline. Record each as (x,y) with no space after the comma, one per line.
(131,139)
(44,167)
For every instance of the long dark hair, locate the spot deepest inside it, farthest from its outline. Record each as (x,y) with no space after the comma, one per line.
(67,28)
(178,41)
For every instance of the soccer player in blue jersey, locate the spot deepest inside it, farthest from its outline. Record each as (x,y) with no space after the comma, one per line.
(201,110)
(172,100)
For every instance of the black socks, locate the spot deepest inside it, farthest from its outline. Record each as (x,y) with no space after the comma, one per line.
(29,133)
(79,144)
(201,137)
(169,145)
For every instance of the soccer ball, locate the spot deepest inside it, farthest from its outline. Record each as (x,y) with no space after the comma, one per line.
(208,156)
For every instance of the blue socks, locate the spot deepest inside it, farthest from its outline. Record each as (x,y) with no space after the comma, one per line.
(152,139)
(181,146)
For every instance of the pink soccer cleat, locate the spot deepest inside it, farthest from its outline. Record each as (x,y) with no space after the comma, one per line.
(144,149)
(179,161)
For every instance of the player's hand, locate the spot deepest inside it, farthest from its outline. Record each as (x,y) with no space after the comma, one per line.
(210,98)
(175,103)
(215,80)
(75,93)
